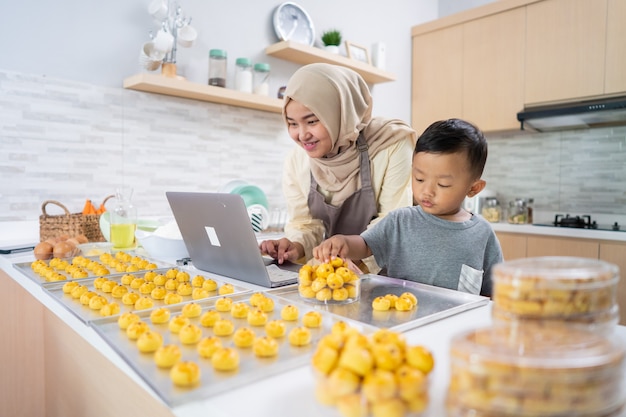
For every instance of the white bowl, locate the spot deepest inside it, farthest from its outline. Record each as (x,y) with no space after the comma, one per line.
(162,248)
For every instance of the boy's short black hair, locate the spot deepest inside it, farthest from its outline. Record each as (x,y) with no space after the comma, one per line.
(455,135)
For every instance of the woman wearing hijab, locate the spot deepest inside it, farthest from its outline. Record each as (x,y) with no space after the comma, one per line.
(349,168)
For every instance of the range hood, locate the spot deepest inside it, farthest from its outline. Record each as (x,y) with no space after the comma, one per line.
(574,115)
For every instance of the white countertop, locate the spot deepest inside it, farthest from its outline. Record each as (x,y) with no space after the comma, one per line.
(560,231)
(286,394)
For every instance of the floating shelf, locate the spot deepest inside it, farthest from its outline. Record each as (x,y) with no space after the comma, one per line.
(305,54)
(160,84)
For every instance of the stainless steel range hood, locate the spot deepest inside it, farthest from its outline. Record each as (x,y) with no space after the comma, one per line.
(575,115)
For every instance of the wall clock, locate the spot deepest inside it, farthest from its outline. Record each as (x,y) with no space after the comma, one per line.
(293,23)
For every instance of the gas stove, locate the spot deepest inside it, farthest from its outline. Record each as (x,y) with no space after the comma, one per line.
(582,222)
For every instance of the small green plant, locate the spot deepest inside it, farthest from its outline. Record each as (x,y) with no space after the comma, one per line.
(331,37)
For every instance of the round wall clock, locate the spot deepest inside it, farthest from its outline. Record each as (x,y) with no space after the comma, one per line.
(293,23)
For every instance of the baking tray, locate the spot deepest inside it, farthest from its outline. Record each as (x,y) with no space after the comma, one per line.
(434,303)
(26,269)
(213,382)
(86,314)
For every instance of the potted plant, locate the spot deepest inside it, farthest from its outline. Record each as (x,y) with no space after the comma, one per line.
(332,40)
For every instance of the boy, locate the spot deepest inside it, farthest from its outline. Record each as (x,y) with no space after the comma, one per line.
(435,242)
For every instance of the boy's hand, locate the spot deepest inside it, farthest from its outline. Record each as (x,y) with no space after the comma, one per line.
(333,247)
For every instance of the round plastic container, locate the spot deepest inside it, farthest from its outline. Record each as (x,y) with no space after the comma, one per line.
(532,371)
(556,288)
(329,283)
(243,75)
(261,79)
(217,67)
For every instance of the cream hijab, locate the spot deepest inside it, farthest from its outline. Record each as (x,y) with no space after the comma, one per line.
(341,100)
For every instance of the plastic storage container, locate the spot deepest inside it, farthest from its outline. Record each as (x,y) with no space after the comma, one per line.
(217,67)
(329,283)
(243,75)
(491,211)
(535,372)
(261,79)
(568,289)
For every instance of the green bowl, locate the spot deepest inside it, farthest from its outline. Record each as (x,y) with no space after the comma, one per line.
(251,195)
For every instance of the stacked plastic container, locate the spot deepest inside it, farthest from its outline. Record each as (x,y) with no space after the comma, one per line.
(551,350)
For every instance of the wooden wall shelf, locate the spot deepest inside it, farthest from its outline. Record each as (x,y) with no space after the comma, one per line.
(304,54)
(160,84)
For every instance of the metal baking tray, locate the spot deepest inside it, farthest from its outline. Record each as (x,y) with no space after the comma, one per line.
(86,314)
(25,268)
(213,382)
(434,303)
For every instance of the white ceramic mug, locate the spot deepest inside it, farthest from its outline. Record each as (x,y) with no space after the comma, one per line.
(163,41)
(149,58)
(158,9)
(187,36)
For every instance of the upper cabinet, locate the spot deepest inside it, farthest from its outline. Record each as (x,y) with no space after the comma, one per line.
(305,54)
(615,81)
(515,53)
(565,49)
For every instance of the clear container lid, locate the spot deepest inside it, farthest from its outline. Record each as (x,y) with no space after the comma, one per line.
(562,272)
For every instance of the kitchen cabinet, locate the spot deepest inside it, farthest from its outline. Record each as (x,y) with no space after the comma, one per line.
(160,84)
(615,81)
(493,70)
(503,56)
(560,246)
(615,253)
(305,54)
(48,369)
(437,79)
(565,49)
(513,245)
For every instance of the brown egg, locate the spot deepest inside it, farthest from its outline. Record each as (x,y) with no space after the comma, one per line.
(73,241)
(81,239)
(43,250)
(63,250)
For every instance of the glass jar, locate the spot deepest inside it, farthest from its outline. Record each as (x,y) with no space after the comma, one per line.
(491,211)
(217,67)
(243,75)
(123,220)
(262,79)
(518,211)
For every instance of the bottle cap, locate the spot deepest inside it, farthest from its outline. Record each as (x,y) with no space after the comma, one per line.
(262,67)
(243,62)
(217,53)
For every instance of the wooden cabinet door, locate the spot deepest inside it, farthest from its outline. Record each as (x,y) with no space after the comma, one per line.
(616,48)
(493,70)
(560,246)
(437,79)
(513,245)
(565,49)
(615,253)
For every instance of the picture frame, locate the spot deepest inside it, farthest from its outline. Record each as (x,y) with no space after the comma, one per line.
(358,52)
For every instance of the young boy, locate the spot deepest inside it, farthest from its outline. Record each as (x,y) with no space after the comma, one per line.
(435,242)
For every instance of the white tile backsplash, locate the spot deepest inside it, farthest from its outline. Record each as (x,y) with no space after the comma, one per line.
(68,141)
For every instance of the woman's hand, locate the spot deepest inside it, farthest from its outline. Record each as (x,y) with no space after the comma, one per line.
(282,250)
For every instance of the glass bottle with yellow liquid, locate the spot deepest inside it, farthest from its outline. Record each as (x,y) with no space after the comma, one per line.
(123,220)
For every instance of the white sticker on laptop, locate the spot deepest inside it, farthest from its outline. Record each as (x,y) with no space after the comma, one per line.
(212,235)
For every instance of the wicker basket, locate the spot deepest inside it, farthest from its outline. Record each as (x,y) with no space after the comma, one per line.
(71,224)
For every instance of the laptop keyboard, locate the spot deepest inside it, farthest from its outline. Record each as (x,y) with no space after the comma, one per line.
(278,275)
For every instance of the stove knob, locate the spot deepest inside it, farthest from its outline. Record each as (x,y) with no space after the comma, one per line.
(615,226)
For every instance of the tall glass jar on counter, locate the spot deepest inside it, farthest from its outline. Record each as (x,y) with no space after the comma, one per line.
(123,220)
(518,211)
(243,75)
(491,211)
(262,79)
(217,67)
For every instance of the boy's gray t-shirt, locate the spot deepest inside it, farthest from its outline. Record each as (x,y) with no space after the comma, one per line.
(420,247)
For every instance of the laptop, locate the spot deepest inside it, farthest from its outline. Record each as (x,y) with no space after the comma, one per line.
(219,237)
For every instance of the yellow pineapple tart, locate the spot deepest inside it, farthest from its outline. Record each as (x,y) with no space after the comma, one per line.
(377,375)
(329,282)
